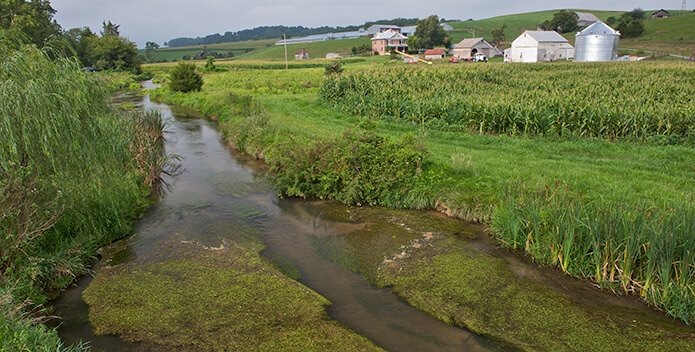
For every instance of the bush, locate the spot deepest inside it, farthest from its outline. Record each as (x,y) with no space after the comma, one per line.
(335,67)
(360,167)
(184,78)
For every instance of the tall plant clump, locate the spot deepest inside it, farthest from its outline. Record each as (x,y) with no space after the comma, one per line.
(643,250)
(69,183)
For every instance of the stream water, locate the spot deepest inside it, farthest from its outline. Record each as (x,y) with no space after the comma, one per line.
(214,183)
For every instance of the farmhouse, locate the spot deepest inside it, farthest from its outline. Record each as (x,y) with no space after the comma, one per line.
(661,14)
(585,19)
(435,54)
(383,42)
(539,46)
(301,55)
(468,47)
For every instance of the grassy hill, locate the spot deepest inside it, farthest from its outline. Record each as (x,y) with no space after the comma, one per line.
(516,24)
(673,35)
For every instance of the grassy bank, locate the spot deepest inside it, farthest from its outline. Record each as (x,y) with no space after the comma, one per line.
(74,173)
(620,150)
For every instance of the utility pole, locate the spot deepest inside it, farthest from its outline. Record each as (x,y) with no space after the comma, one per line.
(683,7)
(284,40)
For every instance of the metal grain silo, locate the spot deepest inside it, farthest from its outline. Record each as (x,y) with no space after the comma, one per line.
(598,42)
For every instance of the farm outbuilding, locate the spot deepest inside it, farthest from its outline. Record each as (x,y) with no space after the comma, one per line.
(586,19)
(598,42)
(435,54)
(661,14)
(468,47)
(539,46)
(301,55)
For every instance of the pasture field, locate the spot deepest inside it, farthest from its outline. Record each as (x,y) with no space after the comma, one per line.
(536,150)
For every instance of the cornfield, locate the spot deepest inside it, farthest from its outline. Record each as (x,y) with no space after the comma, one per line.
(646,102)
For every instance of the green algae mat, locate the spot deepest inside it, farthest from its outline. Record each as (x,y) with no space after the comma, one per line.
(192,298)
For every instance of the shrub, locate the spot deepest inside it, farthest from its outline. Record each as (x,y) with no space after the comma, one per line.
(334,67)
(184,78)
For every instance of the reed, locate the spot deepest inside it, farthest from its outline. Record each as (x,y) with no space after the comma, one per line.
(637,248)
(69,180)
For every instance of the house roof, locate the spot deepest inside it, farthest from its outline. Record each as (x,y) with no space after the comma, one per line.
(662,11)
(435,52)
(389,34)
(471,42)
(301,51)
(598,28)
(546,36)
(587,17)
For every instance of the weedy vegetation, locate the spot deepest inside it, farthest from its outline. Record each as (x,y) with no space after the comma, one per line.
(619,135)
(74,173)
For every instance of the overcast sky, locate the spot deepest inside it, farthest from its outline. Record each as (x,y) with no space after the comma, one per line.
(161,20)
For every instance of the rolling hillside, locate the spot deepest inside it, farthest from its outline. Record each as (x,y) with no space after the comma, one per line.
(674,35)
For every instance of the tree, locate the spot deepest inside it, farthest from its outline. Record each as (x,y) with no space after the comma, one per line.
(183,78)
(611,20)
(110,52)
(635,14)
(150,48)
(77,38)
(563,22)
(110,29)
(428,33)
(33,18)
(210,64)
(498,34)
(630,23)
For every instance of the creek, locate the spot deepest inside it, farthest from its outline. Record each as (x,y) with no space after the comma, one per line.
(215,188)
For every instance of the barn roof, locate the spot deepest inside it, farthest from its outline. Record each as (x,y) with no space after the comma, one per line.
(546,36)
(587,17)
(471,42)
(435,52)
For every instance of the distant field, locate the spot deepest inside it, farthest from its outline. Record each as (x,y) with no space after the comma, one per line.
(237,48)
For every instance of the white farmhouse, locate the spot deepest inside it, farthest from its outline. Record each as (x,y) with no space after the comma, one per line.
(539,46)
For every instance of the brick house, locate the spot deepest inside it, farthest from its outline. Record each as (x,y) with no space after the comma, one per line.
(383,42)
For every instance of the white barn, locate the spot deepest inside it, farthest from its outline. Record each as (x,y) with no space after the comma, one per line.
(539,46)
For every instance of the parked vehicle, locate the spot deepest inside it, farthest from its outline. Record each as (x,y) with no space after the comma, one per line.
(480,57)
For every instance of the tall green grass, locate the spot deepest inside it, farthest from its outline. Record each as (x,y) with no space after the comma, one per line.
(645,249)
(70,175)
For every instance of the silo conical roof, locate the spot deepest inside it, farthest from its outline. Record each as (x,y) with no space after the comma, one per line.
(598,28)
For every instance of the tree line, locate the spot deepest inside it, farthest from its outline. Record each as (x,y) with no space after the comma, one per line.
(105,51)
(271,32)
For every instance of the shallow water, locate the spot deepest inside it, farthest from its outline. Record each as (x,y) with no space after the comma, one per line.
(216,190)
